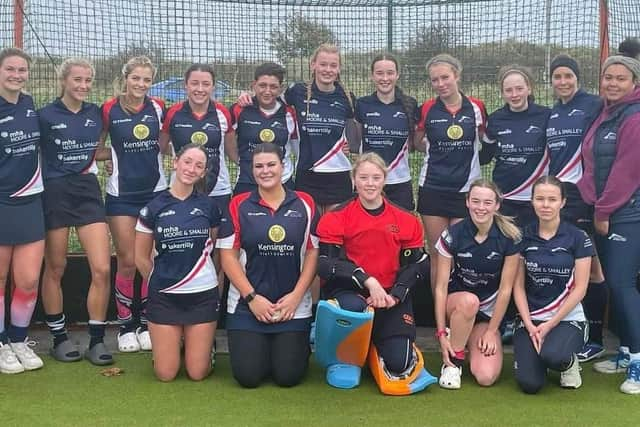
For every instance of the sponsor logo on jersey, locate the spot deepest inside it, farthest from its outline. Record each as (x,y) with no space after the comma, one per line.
(196,211)
(505,132)
(464,255)
(439,121)
(31,113)
(493,255)
(267,135)
(554,116)
(393,228)
(207,126)
(6,119)
(167,213)
(336,104)
(183,125)
(141,131)
(400,115)
(251,122)
(533,129)
(293,213)
(90,123)
(616,237)
(465,119)
(256,214)
(148,118)
(311,101)
(373,114)
(118,121)
(610,135)
(532,248)
(576,112)
(455,132)
(199,138)
(59,126)
(276,233)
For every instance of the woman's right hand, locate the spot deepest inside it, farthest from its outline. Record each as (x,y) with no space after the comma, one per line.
(533,335)
(446,350)
(378,297)
(262,308)
(244,99)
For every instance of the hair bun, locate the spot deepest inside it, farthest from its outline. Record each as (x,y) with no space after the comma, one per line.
(630,47)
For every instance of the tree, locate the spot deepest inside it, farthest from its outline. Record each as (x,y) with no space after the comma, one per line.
(428,41)
(299,38)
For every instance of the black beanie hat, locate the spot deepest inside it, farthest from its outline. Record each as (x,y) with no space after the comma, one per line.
(564,61)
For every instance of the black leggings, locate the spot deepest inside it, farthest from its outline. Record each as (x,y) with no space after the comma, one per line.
(394,346)
(556,353)
(254,356)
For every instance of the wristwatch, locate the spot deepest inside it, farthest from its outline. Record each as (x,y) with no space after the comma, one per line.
(250,296)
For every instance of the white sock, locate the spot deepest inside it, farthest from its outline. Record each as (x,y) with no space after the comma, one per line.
(634,357)
(623,349)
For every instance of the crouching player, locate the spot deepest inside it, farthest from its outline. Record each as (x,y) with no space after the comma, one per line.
(476,271)
(371,255)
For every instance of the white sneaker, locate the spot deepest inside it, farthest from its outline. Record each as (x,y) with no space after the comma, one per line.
(616,364)
(128,343)
(570,378)
(9,363)
(27,357)
(144,339)
(631,385)
(450,377)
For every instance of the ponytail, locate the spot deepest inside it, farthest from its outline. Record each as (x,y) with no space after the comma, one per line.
(507,226)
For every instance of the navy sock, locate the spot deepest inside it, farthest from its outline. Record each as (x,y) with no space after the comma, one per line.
(96,332)
(595,303)
(458,362)
(17,333)
(4,339)
(57,327)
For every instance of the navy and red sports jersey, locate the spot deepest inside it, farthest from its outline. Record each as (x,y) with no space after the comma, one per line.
(272,245)
(69,139)
(453,143)
(321,124)
(520,149)
(20,171)
(568,123)
(550,267)
(385,131)
(135,153)
(253,126)
(185,127)
(476,267)
(372,242)
(182,233)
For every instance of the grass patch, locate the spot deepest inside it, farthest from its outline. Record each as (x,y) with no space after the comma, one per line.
(76,394)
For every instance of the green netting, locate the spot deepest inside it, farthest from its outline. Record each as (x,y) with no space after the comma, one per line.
(238,35)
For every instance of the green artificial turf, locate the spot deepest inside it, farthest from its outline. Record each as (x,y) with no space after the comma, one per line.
(77,395)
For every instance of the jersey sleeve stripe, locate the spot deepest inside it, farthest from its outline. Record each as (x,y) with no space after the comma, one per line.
(337,148)
(442,249)
(142,227)
(540,170)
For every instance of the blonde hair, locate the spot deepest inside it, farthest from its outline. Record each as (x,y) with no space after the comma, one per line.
(445,58)
(64,69)
(369,157)
(505,224)
(333,49)
(508,70)
(120,83)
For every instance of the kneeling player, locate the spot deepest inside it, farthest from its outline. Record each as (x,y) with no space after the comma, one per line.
(371,256)
(476,270)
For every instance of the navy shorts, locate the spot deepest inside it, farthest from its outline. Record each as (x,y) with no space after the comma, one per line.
(127,205)
(72,201)
(400,194)
(183,309)
(326,188)
(576,211)
(21,220)
(521,211)
(447,204)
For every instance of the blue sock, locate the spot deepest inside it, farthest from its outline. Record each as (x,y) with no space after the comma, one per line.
(4,339)
(17,333)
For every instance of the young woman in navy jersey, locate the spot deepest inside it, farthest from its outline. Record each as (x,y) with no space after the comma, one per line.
(265,119)
(552,327)
(201,120)
(450,129)
(175,237)
(133,121)
(518,143)
(70,132)
(611,184)
(570,118)
(269,253)
(476,270)
(22,226)
(372,254)
(387,121)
